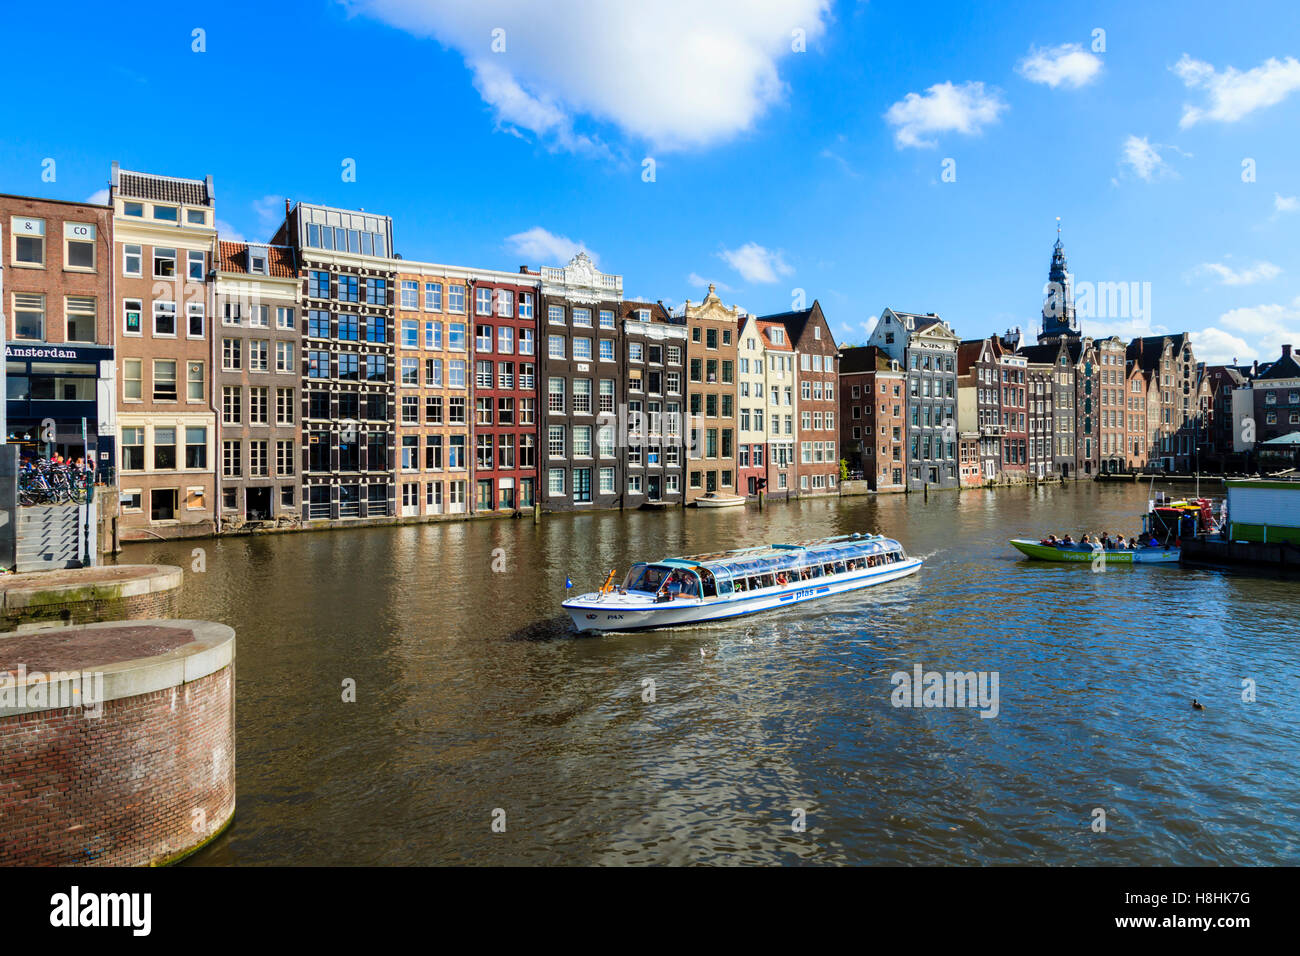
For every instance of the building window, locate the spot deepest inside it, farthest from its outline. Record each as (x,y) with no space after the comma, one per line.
(195,386)
(132,379)
(231,461)
(164,380)
(133,448)
(28,242)
(79,246)
(164,318)
(433,297)
(164,263)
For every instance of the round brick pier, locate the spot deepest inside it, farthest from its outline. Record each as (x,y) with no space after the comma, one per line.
(84,595)
(117,742)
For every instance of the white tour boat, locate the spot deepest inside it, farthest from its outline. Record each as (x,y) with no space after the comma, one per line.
(711,587)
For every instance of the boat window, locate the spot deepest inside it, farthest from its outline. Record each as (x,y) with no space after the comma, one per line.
(633,575)
(710,586)
(754,584)
(724,580)
(839,567)
(651,579)
(769,581)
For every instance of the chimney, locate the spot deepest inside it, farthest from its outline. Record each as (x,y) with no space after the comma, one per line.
(288,206)
(1254,371)
(1286,351)
(207,180)
(116,175)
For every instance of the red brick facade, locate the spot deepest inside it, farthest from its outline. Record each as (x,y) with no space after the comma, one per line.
(149,780)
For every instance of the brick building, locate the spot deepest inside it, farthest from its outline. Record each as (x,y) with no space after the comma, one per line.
(926,347)
(504,424)
(872,422)
(817,464)
(258,382)
(1111,380)
(165,237)
(58,281)
(432,413)
(582,359)
(712,355)
(1039,410)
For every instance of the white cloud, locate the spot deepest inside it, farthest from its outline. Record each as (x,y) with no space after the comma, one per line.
(943,108)
(1230,276)
(1232,95)
(1285,203)
(1144,158)
(756,264)
(541,246)
(1249,333)
(1065,65)
(676,74)
(99,197)
(1217,347)
(699,281)
(228,233)
(270,213)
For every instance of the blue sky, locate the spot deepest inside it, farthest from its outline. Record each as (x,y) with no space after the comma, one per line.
(775,169)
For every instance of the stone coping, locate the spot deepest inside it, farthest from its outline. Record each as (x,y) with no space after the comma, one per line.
(115,659)
(74,585)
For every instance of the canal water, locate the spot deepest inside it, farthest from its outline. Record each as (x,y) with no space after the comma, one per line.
(769,740)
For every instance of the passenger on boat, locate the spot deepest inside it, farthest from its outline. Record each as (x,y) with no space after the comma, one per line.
(1067,540)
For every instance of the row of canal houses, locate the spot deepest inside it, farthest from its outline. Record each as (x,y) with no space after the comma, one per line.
(320,378)
(925,408)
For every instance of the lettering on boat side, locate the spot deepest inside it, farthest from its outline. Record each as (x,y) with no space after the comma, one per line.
(978,689)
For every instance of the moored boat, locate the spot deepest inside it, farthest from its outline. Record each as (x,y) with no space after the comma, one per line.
(711,587)
(715,500)
(1043,551)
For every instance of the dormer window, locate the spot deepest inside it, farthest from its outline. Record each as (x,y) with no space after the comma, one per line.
(643,315)
(777,336)
(257,262)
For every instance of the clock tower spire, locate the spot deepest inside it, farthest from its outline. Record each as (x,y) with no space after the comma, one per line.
(1059,320)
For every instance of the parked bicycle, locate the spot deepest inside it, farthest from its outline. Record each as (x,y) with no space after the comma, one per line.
(45,482)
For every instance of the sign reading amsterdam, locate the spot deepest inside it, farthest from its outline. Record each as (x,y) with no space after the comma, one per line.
(54,352)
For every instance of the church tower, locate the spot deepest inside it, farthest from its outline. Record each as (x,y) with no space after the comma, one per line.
(1059,320)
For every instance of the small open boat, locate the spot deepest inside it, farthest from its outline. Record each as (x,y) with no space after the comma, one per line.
(715,500)
(1082,552)
(710,587)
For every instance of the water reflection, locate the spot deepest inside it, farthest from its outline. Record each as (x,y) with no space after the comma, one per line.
(473,694)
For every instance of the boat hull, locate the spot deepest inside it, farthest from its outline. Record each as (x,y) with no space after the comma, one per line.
(590,614)
(719,502)
(1047,552)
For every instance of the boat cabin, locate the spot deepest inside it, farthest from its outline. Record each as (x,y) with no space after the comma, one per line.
(758,569)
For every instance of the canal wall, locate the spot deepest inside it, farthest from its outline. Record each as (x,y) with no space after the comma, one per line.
(87,595)
(117,742)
